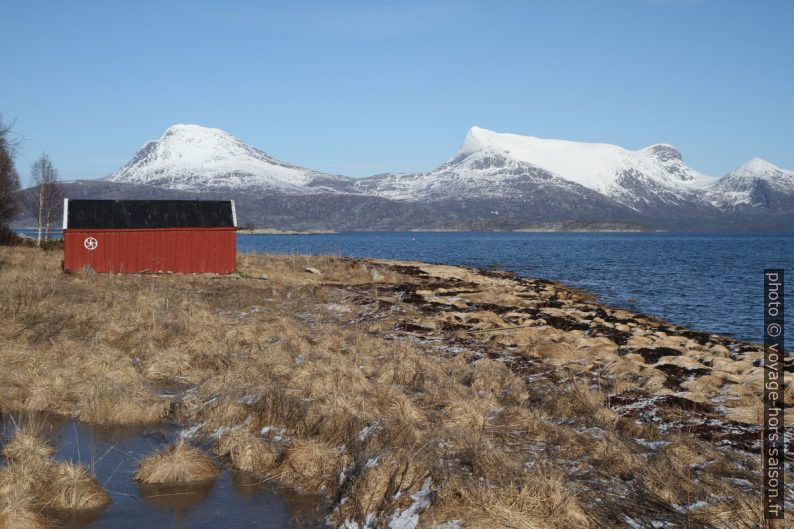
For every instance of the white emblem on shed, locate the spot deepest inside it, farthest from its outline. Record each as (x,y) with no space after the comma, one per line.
(90,243)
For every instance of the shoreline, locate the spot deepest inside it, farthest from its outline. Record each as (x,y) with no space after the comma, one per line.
(274,231)
(473,384)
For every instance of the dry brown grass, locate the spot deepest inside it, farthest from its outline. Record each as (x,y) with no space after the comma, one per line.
(15,513)
(544,502)
(312,465)
(27,446)
(33,486)
(23,483)
(305,378)
(179,463)
(73,488)
(114,403)
(380,485)
(247,452)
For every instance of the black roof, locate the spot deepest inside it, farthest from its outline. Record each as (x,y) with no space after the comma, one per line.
(137,214)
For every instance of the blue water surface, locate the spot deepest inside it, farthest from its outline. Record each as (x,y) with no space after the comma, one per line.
(710,282)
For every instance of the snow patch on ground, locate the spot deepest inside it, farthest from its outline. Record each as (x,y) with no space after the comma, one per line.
(409,518)
(691,507)
(452,524)
(367,431)
(369,523)
(652,445)
(250,400)
(274,433)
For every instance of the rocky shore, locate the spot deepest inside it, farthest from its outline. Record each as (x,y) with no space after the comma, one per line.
(676,378)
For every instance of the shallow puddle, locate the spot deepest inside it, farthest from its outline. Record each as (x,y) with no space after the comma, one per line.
(234,500)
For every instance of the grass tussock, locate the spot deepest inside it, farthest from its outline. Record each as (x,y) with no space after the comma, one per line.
(33,487)
(75,489)
(27,447)
(247,452)
(369,379)
(179,463)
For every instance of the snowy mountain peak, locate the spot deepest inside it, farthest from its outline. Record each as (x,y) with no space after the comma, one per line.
(191,133)
(755,183)
(190,128)
(202,144)
(477,139)
(192,157)
(663,152)
(757,167)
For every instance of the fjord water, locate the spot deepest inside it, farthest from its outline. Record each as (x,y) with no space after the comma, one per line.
(709,282)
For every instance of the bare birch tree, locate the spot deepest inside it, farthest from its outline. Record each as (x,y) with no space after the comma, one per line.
(48,193)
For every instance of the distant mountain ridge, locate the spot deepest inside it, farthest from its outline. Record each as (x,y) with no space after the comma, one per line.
(493,181)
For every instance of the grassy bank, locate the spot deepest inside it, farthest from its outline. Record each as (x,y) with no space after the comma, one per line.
(403,393)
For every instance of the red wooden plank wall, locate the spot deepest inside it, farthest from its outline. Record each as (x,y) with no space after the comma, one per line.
(183,250)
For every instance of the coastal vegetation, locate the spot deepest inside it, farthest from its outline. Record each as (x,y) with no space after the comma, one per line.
(402,394)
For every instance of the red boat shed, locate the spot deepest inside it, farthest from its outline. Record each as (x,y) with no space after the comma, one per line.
(135,236)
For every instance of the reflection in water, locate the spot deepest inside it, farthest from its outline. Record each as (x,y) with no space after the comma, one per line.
(234,500)
(302,507)
(180,497)
(78,520)
(245,485)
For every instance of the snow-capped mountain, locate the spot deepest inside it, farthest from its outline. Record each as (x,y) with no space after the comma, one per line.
(493,181)
(495,164)
(195,158)
(756,183)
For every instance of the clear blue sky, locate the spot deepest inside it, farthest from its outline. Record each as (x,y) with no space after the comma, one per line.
(364,87)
